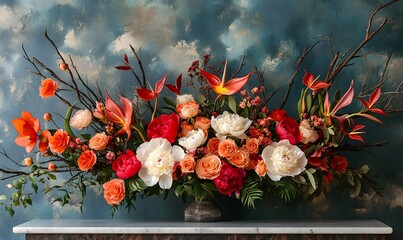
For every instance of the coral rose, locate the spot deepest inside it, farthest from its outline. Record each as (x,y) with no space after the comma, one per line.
(240,159)
(202,123)
(230,179)
(208,167)
(87,160)
(99,141)
(126,165)
(114,191)
(188,109)
(227,148)
(81,119)
(187,164)
(288,129)
(59,141)
(261,168)
(165,126)
(212,145)
(48,88)
(186,128)
(251,145)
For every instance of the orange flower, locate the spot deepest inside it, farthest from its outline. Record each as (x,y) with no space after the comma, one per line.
(114,191)
(99,141)
(87,160)
(212,145)
(186,128)
(251,145)
(187,164)
(187,109)
(44,140)
(27,127)
(59,141)
(202,123)
(254,160)
(240,159)
(208,167)
(260,168)
(227,148)
(48,88)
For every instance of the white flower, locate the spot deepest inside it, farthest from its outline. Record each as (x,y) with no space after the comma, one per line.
(193,140)
(184,98)
(81,119)
(158,158)
(232,124)
(307,133)
(283,159)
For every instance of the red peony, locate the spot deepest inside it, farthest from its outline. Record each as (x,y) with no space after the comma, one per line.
(278,115)
(229,180)
(165,126)
(288,129)
(339,163)
(126,165)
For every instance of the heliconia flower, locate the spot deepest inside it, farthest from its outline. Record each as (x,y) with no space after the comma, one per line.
(355,135)
(372,100)
(178,84)
(119,115)
(312,83)
(343,102)
(225,88)
(27,127)
(148,95)
(126,62)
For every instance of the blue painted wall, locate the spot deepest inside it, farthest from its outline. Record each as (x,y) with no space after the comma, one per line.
(174,33)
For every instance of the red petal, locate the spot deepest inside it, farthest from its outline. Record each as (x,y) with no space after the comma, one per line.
(377,110)
(212,79)
(365,103)
(160,84)
(126,58)
(375,96)
(123,68)
(370,117)
(179,82)
(308,79)
(319,85)
(356,137)
(235,84)
(345,100)
(358,127)
(145,94)
(326,105)
(172,88)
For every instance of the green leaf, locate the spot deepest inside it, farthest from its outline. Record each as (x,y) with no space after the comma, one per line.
(232,103)
(251,192)
(10,210)
(51,176)
(311,178)
(169,102)
(308,102)
(357,188)
(35,187)
(67,121)
(179,190)
(287,190)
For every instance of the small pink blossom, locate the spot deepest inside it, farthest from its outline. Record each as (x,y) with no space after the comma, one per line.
(255,90)
(242,105)
(81,119)
(244,93)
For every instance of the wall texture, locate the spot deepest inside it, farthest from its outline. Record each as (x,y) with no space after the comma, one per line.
(174,33)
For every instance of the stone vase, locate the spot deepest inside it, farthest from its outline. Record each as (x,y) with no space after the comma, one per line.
(205,210)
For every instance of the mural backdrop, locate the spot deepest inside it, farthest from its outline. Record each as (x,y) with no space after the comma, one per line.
(171,35)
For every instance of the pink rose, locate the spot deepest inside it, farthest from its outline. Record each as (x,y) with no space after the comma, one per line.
(126,165)
(165,126)
(81,119)
(229,180)
(288,129)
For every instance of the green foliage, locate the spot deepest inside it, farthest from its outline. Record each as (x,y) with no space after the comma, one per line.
(286,189)
(251,191)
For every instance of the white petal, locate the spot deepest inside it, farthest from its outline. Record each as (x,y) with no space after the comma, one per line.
(142,152)
(274,177)
(165,181)
(160,143)
(178,153)
(221,136)
(147,178)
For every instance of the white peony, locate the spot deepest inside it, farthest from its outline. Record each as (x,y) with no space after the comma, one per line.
(283,159)
(230,124)
(81,119)
(184,98)
(307,133)
(193,140)
(158,158)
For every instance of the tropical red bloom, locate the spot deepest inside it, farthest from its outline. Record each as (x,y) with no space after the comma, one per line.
(372,100)
(177,87)
(312,83)
(119,115)
(27,127)
(148,95)
(225,88)
(355,135)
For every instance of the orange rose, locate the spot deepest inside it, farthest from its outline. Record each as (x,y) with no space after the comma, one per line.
(99,141)
(48,88)
(260,168)
(186,128)
(187,164)
(254,160)
(251,145)
(202,123)
(240,159)
(114,191)
(187,109)
(212,145)
(59,141)
(227,148)
(208,167)
(87,160)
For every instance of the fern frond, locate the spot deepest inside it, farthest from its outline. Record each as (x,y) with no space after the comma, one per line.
(251,192)
(287,190)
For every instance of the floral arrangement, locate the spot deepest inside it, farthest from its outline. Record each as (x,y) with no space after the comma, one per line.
(215,137)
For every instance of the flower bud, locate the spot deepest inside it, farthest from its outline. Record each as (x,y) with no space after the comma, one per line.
(47,116)
(52,167)
(28,161)
(63,66)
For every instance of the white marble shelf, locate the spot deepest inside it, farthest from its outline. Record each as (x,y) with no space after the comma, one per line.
(117,226)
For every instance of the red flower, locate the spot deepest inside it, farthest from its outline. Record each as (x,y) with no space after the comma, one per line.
(278,114)
(229,180)
(339,163)
(312,83)
(165,126)
(27,127)
(126,165)
(288,129)
(148,95)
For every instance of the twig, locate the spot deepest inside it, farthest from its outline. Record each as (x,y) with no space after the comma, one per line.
(241,64)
